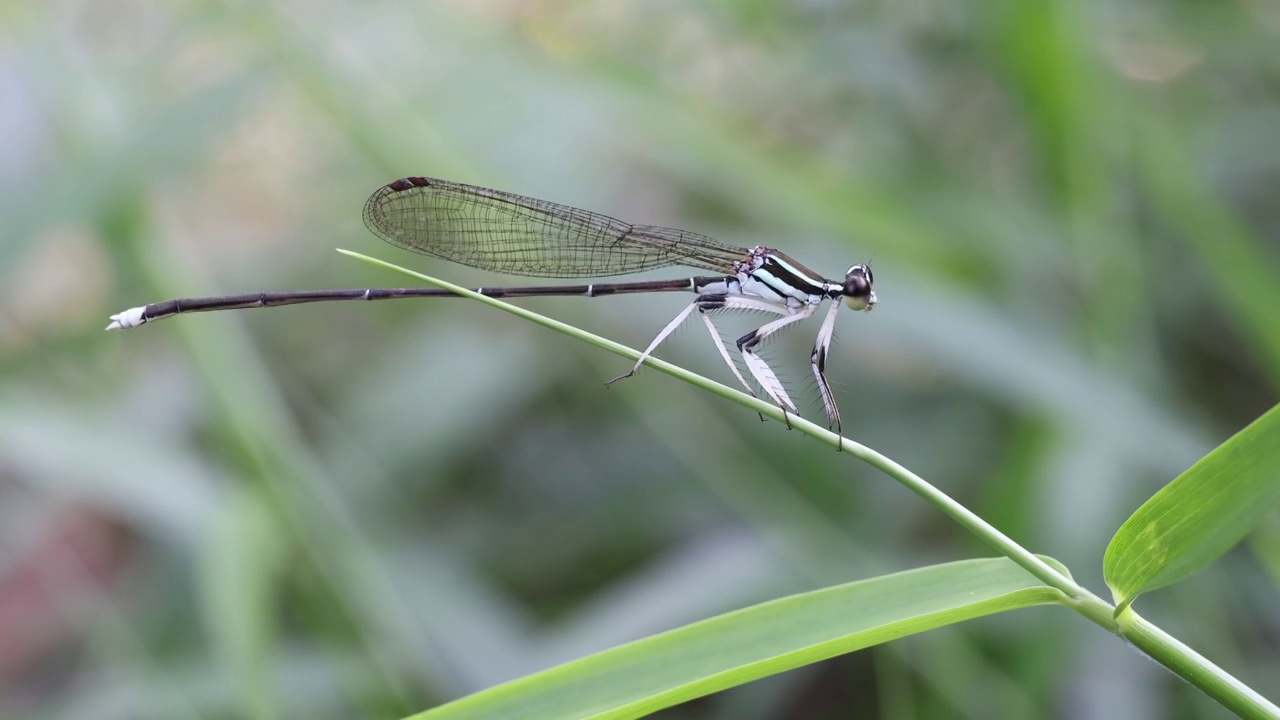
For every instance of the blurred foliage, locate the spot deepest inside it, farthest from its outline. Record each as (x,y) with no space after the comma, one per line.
(365,510)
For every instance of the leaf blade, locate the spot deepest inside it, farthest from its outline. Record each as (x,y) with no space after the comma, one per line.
(743,645)
(1199,516)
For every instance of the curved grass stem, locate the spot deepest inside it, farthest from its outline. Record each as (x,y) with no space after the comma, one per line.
(1159,645)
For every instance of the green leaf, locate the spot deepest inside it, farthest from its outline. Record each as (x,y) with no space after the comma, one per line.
(1200,515)
(735,648)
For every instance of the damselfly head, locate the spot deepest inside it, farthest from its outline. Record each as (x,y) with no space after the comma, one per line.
(857,288)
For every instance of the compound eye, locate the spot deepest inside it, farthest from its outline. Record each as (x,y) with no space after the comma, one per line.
(858,294)
(857,282)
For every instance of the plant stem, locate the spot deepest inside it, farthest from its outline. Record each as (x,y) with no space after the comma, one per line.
(1156,643)
(1194,668)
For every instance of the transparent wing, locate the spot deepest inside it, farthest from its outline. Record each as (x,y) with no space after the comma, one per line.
(517,235)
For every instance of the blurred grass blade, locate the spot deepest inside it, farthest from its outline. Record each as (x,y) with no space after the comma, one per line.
(735,648)
(1200,515)
(245,555)
(1242,265)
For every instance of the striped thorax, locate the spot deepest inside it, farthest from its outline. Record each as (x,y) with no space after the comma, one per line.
(776,277)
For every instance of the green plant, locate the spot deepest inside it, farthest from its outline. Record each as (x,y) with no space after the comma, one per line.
(1186,526)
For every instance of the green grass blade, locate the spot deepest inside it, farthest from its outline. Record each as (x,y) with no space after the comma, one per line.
(744,645)
(1200,515)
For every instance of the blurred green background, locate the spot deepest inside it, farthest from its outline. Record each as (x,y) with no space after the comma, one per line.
(365,510)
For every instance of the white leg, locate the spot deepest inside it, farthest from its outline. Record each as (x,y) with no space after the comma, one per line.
(744,304)
(724,353)
(670,328)
(760,370)
(768,380)
(818,360)
(748,304)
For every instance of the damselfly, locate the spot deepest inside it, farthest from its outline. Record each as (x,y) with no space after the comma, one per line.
(516,235)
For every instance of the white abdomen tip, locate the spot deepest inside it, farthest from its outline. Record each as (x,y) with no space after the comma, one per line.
(133,317)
